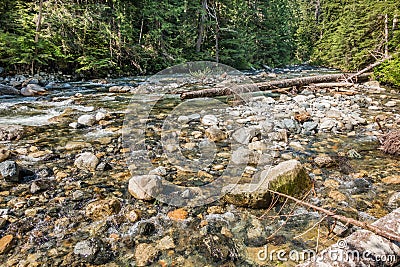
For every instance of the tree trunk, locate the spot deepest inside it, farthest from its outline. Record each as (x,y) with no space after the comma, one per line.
(265,86)
(201,25)
(37,33)
(386,36)
(368,68)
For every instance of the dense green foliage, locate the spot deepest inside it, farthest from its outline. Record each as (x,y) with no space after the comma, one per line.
(99,37)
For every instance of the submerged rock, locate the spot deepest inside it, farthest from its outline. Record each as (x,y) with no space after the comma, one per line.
(11,132)
(144,187)
(288,177)
(101,209)
(87,120)
(86,161)
(9,170)
(146,254)
(94,251)
(6,243)
(215,134)
(4,154)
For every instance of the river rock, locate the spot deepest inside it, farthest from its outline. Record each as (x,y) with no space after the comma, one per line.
(94,251)
(324,161)
(165,243)
(77,145)
(33,90)
(244,135)
(209,120)
(288,177)
(220,248)
(310,126)
(9,170)
(4,154)
(11,132)
(6,243)
(86,161)
(327,124)
(39,185)
(119,89)
(215,134)
(87,120)
(146,254)
(8,90)
(101,209)
(145,187)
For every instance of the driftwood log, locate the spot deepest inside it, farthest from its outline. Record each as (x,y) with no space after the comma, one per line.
(271,85)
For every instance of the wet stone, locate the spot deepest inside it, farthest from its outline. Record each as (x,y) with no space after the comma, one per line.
(94,251)
(6,243)
(39,185)
(101,209)
(86,161)
(146,228)
(4,154)
(10,171)
(87,120)
(146,254)
(144,187)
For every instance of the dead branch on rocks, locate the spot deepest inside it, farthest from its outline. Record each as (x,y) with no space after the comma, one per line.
(393,236)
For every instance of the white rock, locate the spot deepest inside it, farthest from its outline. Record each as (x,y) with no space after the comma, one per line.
(209,120)
(87,120)
(145,187)
(86,161)
(327,124)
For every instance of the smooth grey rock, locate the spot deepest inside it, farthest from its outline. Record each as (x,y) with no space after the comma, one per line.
(310,126)
(327,124)
(8,90)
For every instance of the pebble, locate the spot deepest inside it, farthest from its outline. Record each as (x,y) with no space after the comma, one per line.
(93,251)
(178,214)
(6,243)
(393,179)
(215,134)
(146,254)
(4,154)
(101,209)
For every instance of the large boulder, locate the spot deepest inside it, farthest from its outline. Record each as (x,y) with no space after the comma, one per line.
(288,177)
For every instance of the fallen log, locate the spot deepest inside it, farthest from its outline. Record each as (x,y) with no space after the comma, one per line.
(331,85)
(271,85)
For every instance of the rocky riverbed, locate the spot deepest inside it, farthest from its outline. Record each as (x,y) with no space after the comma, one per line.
(66,198)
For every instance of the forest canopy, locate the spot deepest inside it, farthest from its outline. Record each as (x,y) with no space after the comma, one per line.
(122,37)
